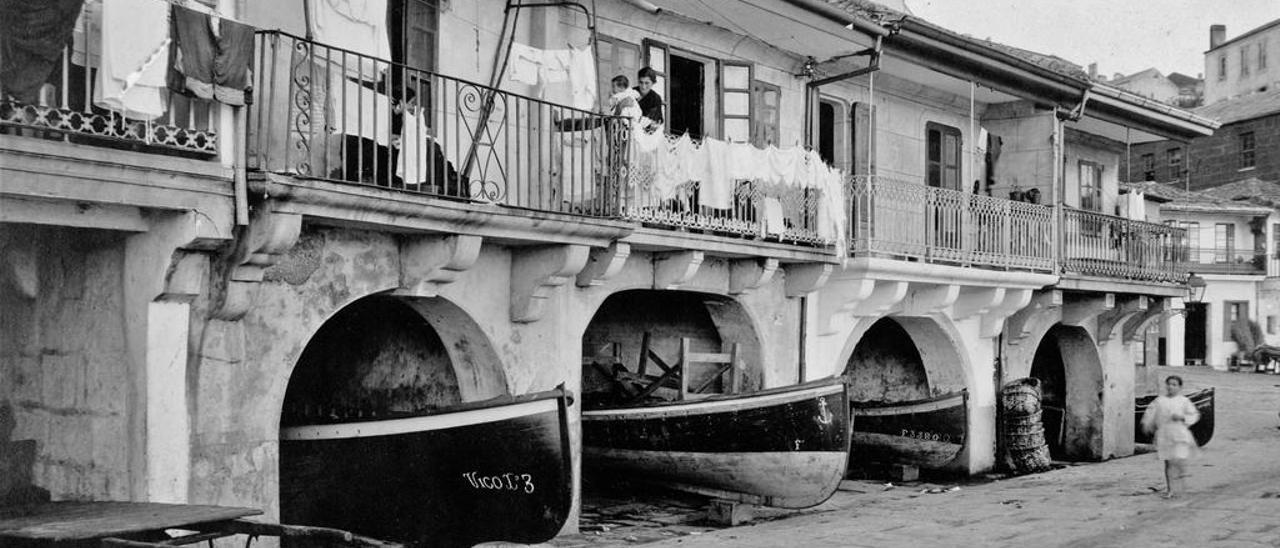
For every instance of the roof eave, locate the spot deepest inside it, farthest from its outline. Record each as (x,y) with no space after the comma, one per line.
(1153,117)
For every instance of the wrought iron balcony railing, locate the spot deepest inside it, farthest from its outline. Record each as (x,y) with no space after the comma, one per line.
(328,113)
(68,106)
(895,218)
(1227,261)
(1096,244)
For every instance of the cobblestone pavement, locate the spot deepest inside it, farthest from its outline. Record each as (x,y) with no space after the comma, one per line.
(1234,498)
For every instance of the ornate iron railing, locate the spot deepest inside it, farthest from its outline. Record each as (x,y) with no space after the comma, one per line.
(909,220)
(756,209)
(67,106)
(328,113)
(1227,261)
(1096,244)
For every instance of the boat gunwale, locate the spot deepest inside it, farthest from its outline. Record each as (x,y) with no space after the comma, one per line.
(393,426)
(911,406)
(497,401)
(721,403)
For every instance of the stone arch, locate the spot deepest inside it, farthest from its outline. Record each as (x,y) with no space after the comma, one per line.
(710,320)
(941,357)
(1070,370)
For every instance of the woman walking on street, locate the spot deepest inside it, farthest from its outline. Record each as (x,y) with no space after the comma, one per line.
(1170,416)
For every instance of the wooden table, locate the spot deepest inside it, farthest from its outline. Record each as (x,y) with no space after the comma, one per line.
(118,523)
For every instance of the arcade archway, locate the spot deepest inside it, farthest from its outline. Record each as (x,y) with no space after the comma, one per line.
(1070,373)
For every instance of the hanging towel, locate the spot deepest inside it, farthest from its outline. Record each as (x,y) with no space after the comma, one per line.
(86,41)
(360,111)
(555,66)
(356,25)
(744,162)
(775,222)
(33,34)
(524,64)
(582,78)
(421,158)
(717,184)
(209,65)
(135,55)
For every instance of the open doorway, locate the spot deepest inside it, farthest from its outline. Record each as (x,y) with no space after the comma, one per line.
(687,100)
(1196,341)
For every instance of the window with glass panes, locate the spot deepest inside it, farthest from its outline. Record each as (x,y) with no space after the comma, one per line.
(1244,61)
(1149,167)
(616,58)
(1247,149)
(1174,157)
(1090,185)
(942,156)
(1224,242)
(735,101)
(765,116)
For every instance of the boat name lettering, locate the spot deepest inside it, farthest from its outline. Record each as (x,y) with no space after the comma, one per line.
(925,435)
(502,482)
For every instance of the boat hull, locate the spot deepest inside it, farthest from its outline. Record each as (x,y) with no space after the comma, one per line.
(928,433)
(783,447)
(1202,429)
(493,473)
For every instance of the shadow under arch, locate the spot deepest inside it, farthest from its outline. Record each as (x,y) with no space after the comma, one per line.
(1070,371)
(709,320)
(380,354)
(917,347)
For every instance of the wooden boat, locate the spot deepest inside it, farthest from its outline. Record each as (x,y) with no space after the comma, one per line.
(496,470)
(1202,429)
(786,447)
(928,433)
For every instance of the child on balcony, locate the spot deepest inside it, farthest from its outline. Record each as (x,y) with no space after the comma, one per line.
(624,101)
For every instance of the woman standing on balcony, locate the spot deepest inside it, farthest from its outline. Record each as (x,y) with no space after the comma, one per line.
(1170,416)
(650,101)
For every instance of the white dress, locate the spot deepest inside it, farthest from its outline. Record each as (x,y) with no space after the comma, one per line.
(1173,438)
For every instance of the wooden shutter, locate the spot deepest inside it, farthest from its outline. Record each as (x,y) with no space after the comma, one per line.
(765,113)
(657,56)
(864,142)
(735,101)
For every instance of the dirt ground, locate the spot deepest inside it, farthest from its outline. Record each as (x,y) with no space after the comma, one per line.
(1234,499)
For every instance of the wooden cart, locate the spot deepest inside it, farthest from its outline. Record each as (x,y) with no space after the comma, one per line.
(143,525)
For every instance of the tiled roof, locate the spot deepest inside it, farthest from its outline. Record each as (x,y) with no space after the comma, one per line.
(1242,108)
(1177,199)
(1253,189)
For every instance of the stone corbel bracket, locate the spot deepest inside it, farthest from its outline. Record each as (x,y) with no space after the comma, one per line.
(993,320)
(1080,310)
(603,264)
(269,235)
(747,275)
(1113,321)
(927,299)
(1137,326)
(1017,310)
(803,279)
(845,300)
(429,262)
(976,300)
(674,270)
(538,270)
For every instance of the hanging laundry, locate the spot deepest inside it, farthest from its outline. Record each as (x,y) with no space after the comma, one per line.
(744,161)
(86,39)
(356,25)
(582,78)
(33,34)
(206,64)
(717,184)
(524,64)
(555,66)
(421,159)
(359,111)
(135,54)
(775,222)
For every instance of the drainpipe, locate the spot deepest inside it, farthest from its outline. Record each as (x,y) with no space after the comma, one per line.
(1059,167)
(836,14)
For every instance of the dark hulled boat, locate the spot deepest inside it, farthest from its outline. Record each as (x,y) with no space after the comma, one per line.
(1202,429)
(496,470)
(786,447)
(928,433)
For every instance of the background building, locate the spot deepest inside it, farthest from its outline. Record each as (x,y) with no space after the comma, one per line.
(1242,65)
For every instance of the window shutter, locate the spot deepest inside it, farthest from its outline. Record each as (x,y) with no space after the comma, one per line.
(657,56)
(735,101)
(765,114)
(864,143)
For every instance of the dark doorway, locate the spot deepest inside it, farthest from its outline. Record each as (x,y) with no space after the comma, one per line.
(688,86)
(1048,367)
(1196,324)
(827,131)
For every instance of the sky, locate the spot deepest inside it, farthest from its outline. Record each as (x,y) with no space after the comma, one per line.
(1123,36)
